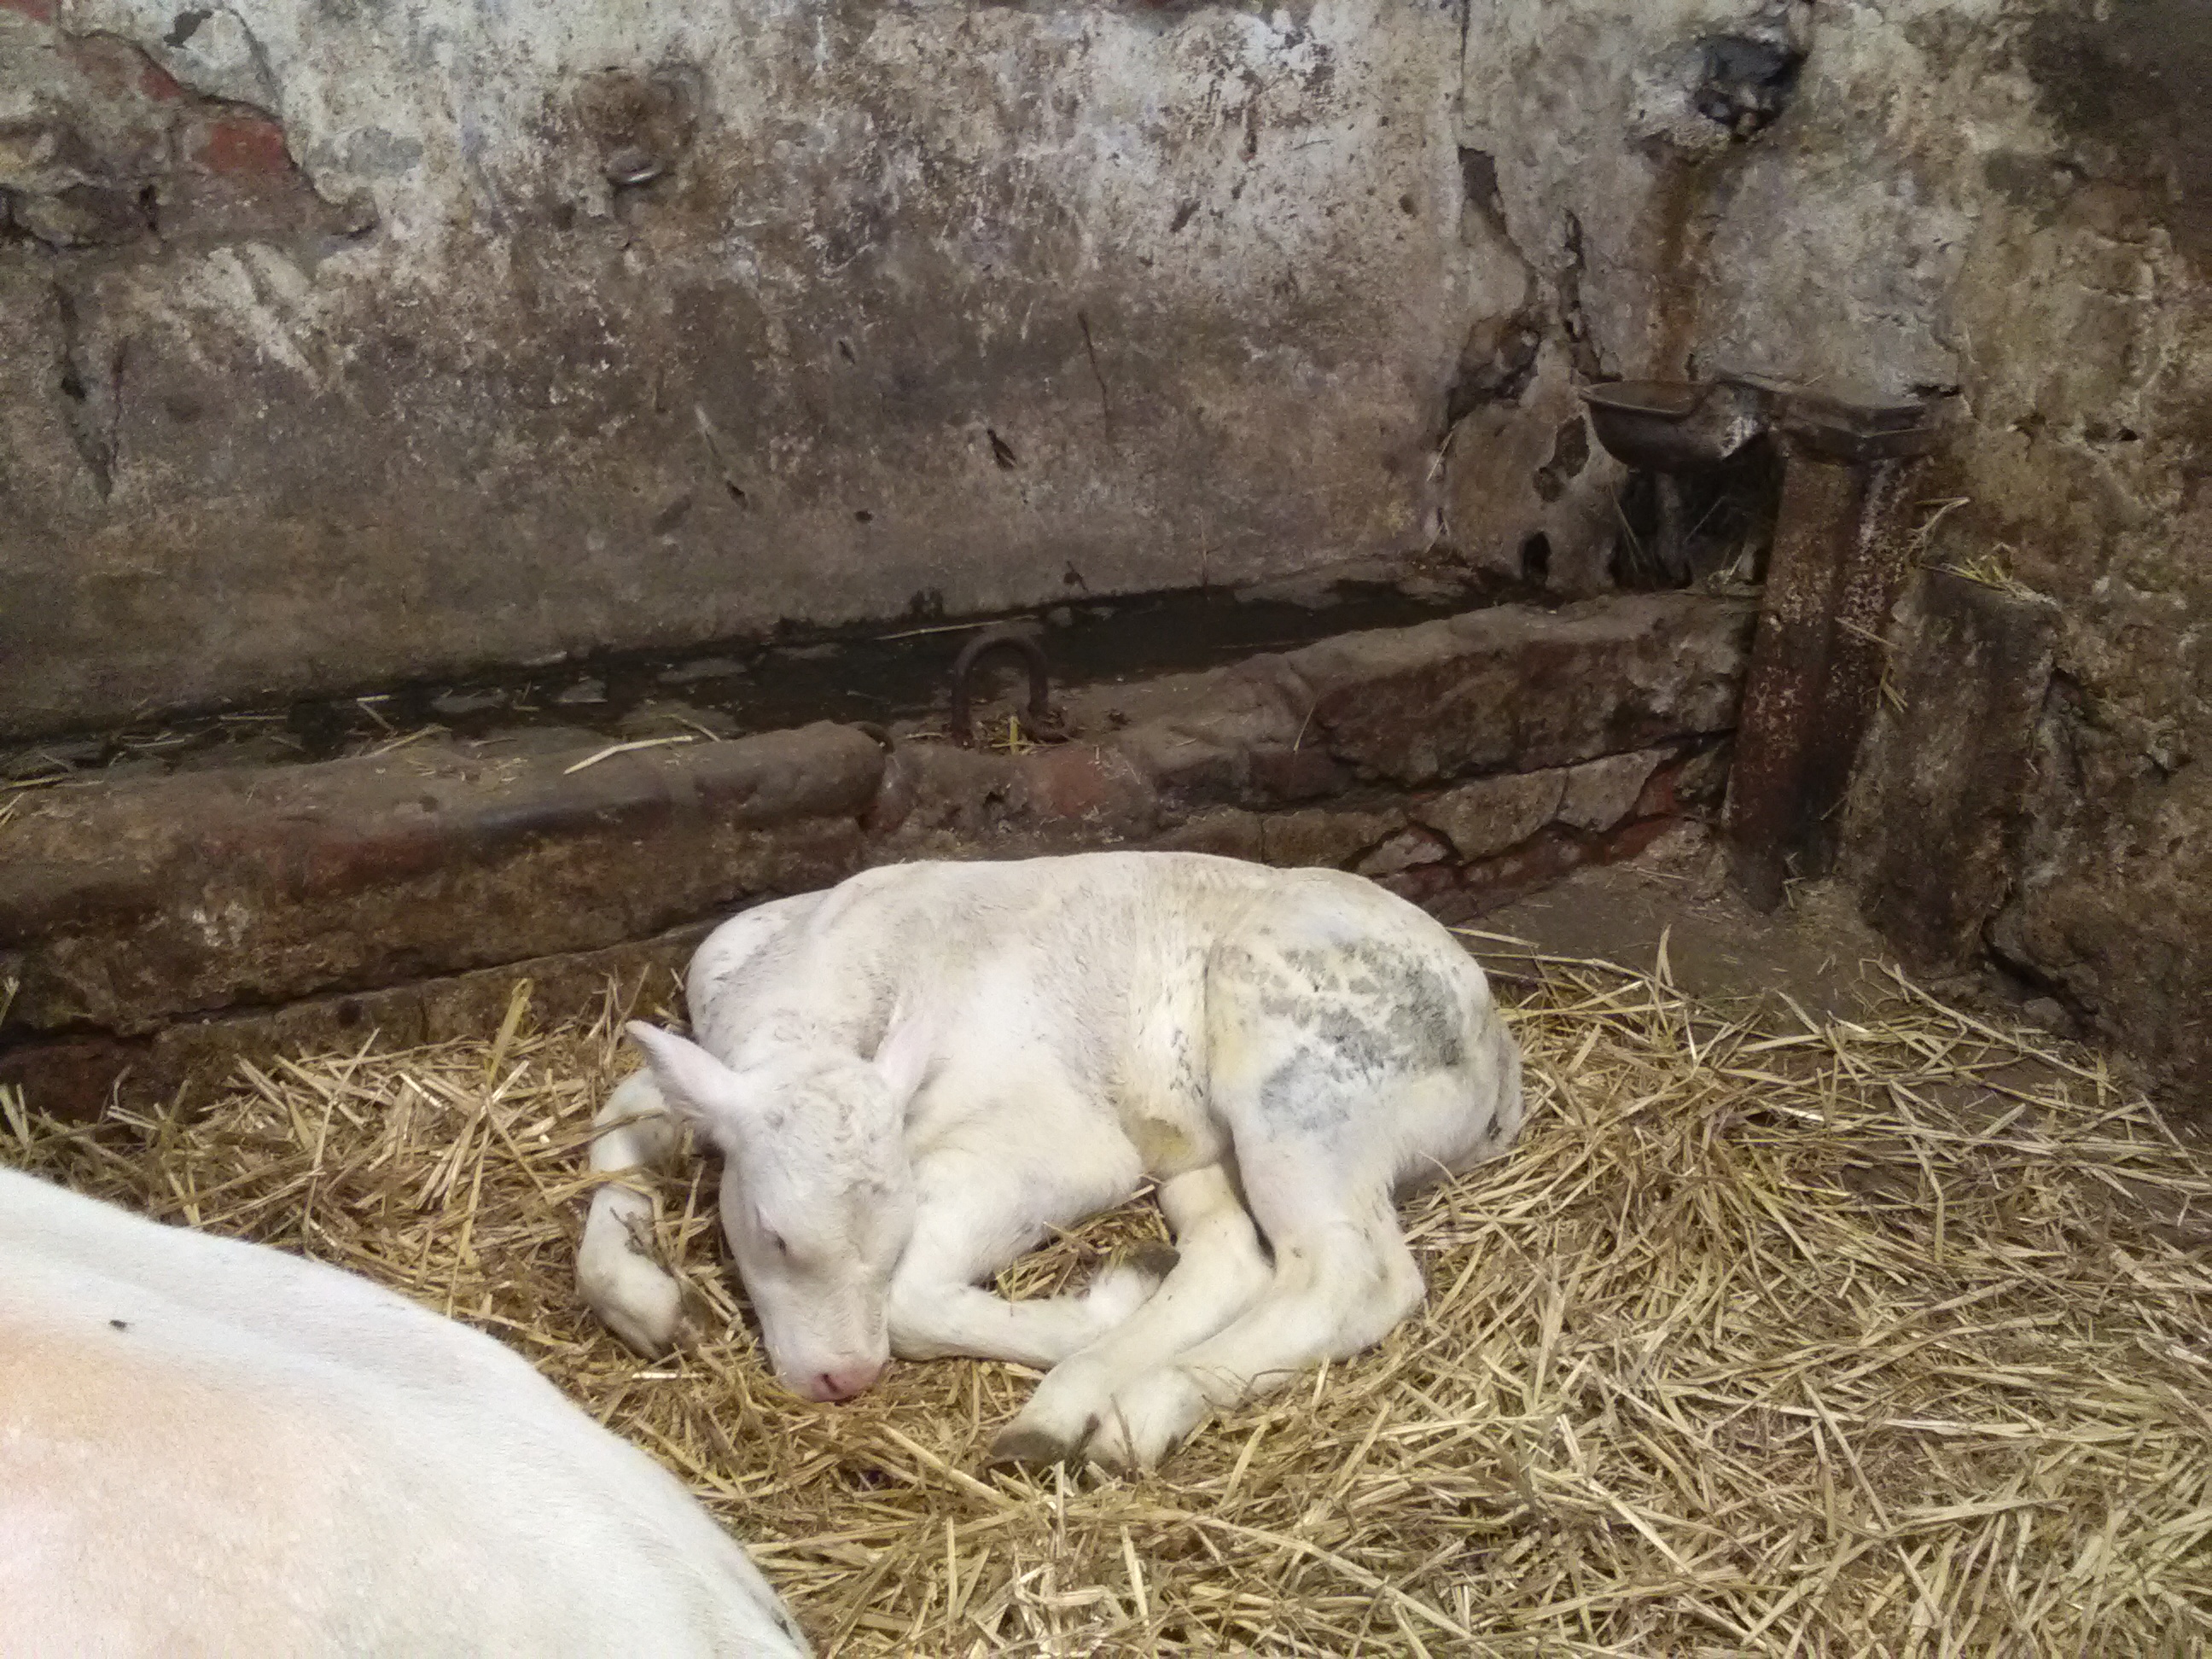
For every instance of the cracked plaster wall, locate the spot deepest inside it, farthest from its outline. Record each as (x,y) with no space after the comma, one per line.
(564,325)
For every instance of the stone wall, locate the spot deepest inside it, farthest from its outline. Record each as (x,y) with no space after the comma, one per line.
(2008,197)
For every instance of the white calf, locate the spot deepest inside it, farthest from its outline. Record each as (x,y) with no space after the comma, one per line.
(210,1447)
(917,1076)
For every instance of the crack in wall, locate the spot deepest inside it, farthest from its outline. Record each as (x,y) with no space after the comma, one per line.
(89,381)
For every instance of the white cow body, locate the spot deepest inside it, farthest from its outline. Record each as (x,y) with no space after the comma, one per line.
(213,1447)
(918,1075)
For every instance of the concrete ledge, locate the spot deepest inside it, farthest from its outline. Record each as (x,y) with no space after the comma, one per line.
(1509,688)
(124,908)
(163,926)
(188,1059)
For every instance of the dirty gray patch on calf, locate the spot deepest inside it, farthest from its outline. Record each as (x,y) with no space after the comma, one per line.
(1381,1006)
(1189,1075)
(1300,1094)
(1364,1018)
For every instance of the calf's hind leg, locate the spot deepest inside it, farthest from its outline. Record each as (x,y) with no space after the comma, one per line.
(1339,1060)
(1221,1271)
(1343,1280)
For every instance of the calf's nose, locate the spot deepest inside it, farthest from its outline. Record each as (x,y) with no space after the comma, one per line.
(844,1382)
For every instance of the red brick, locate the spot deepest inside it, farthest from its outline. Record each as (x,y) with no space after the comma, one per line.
(156,82)
(71,1079)
(244,146)
(109,63)
(1628,841)
(1079,782)
(1658,799)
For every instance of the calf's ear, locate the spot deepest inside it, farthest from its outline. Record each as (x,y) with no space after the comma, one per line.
(698,1088)
(904,1057)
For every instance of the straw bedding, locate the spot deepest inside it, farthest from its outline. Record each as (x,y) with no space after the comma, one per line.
(1884,1338)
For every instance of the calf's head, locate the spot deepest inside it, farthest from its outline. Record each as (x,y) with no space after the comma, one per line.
(818,1199)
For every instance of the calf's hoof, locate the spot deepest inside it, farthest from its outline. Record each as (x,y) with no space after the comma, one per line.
(1118,1292)
(1149,1418)
(1024,1445)
(1154,1259)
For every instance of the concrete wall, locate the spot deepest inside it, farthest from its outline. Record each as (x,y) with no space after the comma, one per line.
(333,350)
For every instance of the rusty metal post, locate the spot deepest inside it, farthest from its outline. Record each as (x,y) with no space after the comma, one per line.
(1816,665)
(1857,654)
(1782,693)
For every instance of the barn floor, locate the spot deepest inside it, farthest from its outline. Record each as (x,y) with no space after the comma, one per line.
(1813,952)
(1810,1316)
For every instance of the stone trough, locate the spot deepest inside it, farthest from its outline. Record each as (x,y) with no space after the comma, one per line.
(157,929)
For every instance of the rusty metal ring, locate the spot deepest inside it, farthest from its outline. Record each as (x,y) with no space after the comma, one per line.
(1023,645)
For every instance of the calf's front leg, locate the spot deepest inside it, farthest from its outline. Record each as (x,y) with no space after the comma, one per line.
(973,1216)
(616,1271)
